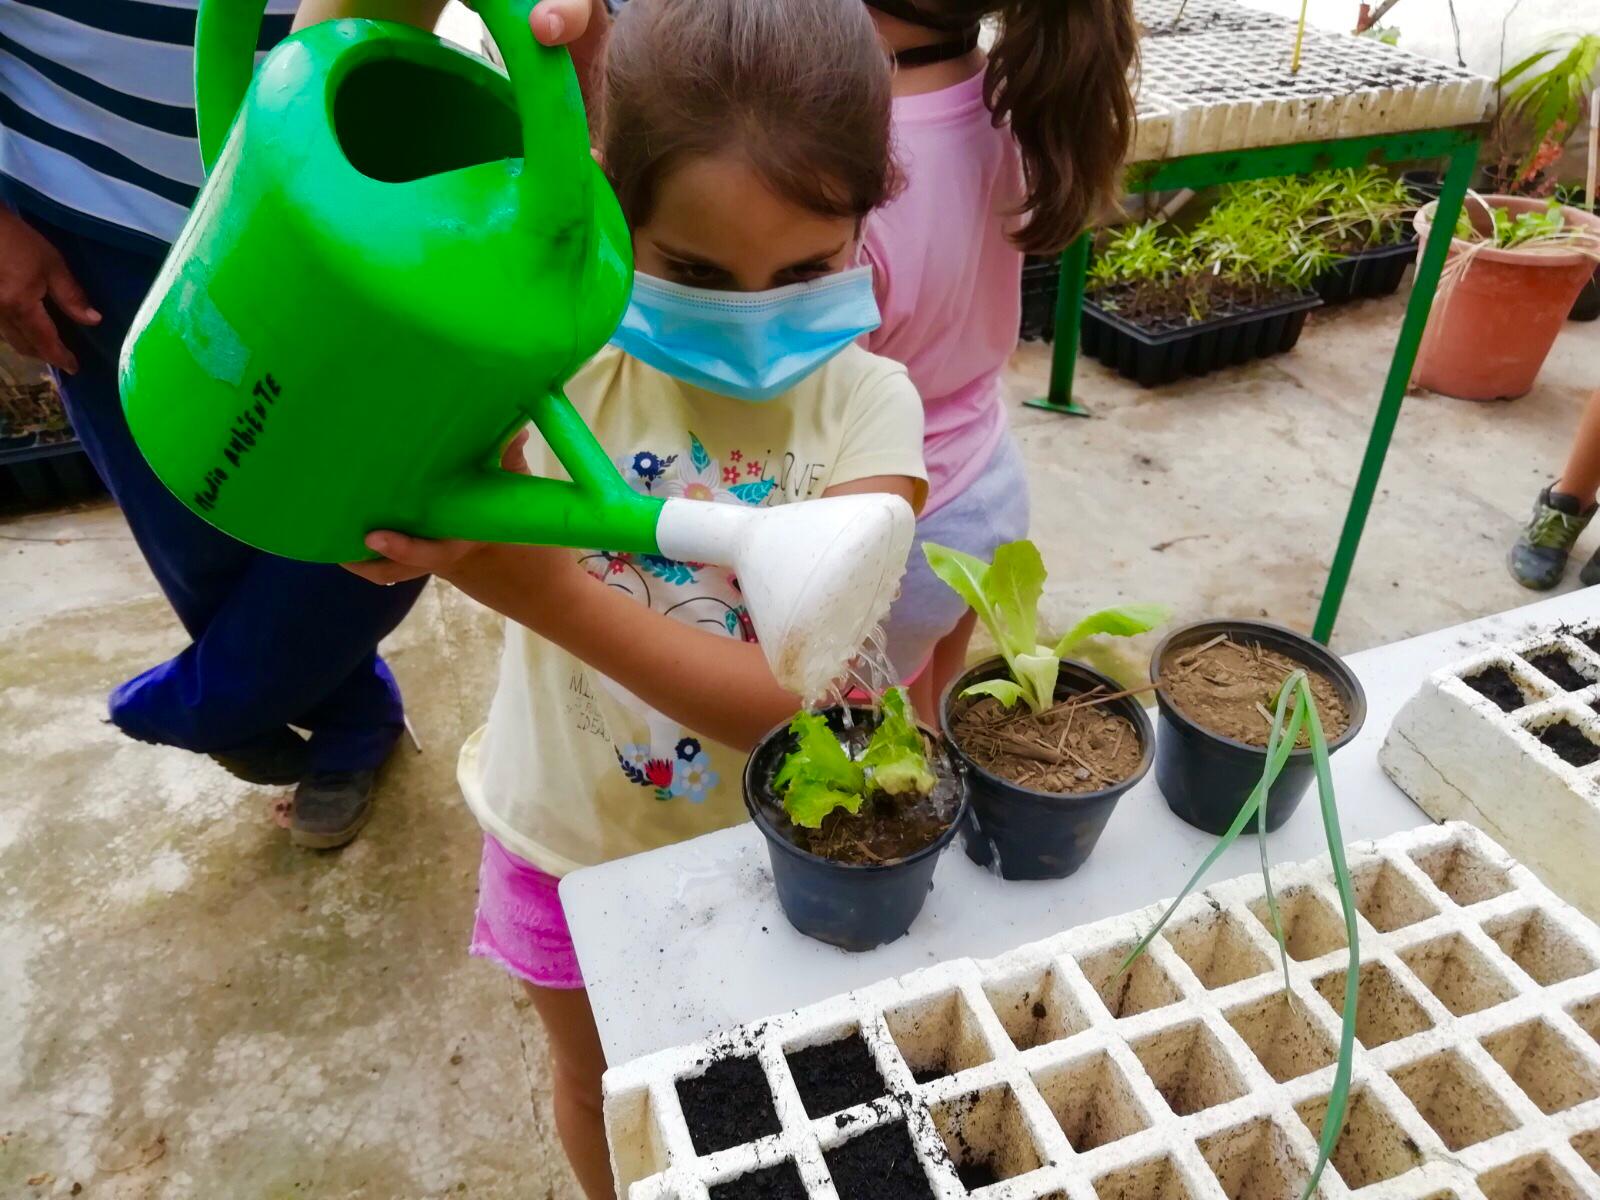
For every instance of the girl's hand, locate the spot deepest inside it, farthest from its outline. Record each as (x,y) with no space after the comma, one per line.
(410,558)
(560,22)
(406,557)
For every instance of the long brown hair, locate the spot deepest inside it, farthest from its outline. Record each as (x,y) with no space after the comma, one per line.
(799,88)
(1059,74)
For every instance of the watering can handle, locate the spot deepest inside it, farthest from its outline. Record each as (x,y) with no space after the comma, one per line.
(543,82)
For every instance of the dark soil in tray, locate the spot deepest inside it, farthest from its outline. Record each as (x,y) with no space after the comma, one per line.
(1161,308)
(975,1175)
(1567,740)
(929,1073)
(1075,747)
(1591,640)
(880,1165)
(1497,684)
(727,1106)
(781,1182)
(1231,688)
(836,1076)
(1556,666)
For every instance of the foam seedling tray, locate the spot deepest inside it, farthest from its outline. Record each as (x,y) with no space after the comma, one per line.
(1517,771)
(1218,79)
(1043,1075)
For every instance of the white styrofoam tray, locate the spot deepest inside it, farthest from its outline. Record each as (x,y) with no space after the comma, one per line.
(1458,756)
(1193,1077)
(1218,79)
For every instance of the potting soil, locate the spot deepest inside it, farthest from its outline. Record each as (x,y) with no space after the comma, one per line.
(1556,666)
(728,1105)
(836,1076)
(1231,688)
(1157,307)
(1075,747)
(881,1165)
(1568,742)
(781,1182)
(1498,686)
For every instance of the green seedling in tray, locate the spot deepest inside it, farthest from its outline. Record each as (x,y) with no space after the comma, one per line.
(1005,594)
(1287,725)
(819,775)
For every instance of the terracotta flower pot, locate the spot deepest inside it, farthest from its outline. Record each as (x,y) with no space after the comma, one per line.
(1492,327)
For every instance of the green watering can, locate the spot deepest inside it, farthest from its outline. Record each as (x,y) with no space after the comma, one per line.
(398,258)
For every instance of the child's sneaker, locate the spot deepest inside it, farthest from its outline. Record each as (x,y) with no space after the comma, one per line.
(1539,557)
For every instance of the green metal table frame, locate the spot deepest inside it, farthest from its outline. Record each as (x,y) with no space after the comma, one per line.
(1458,146)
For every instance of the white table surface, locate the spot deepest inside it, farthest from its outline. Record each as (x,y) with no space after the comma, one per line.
(687,940)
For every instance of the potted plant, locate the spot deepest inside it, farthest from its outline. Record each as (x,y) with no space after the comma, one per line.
(856,806)
(1215,685)
(1517,265)
(1543,99)
(1161,305)
(1360,216)
(1049,745)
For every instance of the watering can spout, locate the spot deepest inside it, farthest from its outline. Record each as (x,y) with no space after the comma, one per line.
(818,576)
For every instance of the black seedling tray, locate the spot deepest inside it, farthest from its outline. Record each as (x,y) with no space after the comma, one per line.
(1041,278)
(1152,359)
(1375,271)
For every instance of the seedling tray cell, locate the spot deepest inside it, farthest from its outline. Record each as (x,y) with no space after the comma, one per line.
(1367,274)
(1153,359)
(1509,739)
(1476,1071)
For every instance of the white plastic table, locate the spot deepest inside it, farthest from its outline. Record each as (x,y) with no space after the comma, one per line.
(684,941)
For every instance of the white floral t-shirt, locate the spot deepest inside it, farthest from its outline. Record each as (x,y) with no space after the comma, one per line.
(572,769)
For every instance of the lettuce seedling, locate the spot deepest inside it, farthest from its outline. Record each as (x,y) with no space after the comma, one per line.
(819,775)
(1005,594)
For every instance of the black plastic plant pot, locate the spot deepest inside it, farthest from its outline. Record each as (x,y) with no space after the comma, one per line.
(1027,834)
(1367,274)
(1587,306)
(1151,359)
(1206,777)
(1424,186)
(855,907)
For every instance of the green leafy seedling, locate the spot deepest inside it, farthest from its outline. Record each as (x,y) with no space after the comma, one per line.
(1287,725)
(1005,594)
(819,776)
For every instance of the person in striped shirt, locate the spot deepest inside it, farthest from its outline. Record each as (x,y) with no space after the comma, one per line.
(99,165)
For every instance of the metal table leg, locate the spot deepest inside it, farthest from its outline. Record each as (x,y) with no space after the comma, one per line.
(1429,267)
(1069,319)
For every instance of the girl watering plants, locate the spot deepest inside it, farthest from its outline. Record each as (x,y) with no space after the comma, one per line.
(747,142)
(1003,153)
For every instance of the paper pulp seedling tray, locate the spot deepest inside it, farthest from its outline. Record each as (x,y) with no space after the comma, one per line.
(1043,1074)
(1217,78)
(1517,768)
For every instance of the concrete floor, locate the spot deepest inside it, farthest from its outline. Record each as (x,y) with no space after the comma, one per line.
(188,1007)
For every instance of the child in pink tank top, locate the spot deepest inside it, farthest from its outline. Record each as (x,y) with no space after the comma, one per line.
(1002,153)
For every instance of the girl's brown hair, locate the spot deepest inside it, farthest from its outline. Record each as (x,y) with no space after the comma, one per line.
(1059,73)
(798,88)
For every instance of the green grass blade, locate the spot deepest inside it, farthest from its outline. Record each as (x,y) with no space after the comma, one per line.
(1269,776)
(1339,1098)
(1289,689)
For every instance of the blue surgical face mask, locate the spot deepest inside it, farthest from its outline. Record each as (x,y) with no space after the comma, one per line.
(748,345)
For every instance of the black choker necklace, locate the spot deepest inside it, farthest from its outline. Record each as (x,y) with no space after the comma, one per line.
(935,52)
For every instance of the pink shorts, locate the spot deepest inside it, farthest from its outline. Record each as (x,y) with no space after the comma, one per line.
(520,924)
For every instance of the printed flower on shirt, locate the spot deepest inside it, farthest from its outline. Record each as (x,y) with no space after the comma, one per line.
(644,467)
(701,477)
(693,778)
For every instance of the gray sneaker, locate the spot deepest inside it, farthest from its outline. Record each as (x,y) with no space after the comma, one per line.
(330,807)
(1539,557)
